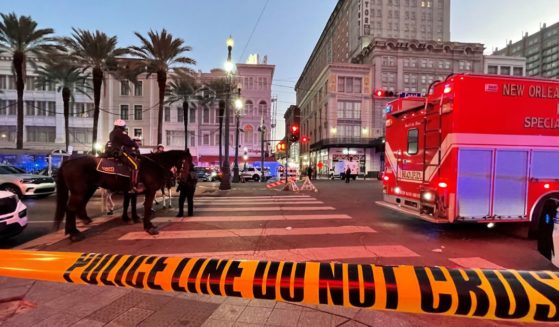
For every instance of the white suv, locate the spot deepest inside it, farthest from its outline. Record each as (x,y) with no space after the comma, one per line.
(255,174)
(18,182)
(13,214)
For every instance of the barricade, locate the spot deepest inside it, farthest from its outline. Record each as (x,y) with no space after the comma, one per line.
(488,294)
(275,184)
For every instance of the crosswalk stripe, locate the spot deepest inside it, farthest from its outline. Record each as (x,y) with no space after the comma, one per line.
(223,203)
(309,254)
(255,197)
(213,233)
(257,200)
(475,262)
(287,208)
(248,218)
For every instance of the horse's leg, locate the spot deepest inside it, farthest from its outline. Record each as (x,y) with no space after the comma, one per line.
(182,198)
(70,227)
(148,226)
(133,203)
(82,212)
(125,204)
(170,196)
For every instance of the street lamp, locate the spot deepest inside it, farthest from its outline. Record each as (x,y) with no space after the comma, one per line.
(229,67)
(238,107)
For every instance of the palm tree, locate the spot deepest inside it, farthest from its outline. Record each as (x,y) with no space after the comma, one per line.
(68,77)
(21,37)
(222,88)
(96,51)
(182,89)
(161,51)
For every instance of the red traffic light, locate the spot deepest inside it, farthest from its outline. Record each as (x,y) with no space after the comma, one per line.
(379,93)
(305,139)
(294,129)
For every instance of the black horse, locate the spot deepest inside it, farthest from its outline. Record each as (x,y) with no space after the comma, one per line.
(78,179)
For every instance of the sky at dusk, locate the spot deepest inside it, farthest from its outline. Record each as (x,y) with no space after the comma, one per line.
(287,31)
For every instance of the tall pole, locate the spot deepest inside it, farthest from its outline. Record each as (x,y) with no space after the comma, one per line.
(263,131)
(226,178)
(236,177)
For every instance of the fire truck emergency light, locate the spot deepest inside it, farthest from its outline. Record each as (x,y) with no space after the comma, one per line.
(443,185)
(447,89)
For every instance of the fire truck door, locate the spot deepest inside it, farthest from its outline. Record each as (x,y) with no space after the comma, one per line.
(474,183)
(511,178)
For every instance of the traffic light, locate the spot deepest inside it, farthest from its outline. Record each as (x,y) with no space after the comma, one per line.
(305,139)
(294,133)
(384,94)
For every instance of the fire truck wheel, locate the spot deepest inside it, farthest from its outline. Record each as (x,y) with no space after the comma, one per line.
(538,223)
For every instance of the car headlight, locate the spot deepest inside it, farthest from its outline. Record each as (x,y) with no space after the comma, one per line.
(28,181)
(213,174)
(22,213)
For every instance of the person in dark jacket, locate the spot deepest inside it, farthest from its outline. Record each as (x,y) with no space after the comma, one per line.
(187,187)
(347,174)
(121,143)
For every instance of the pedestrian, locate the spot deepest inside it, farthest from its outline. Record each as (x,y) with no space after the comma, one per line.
(187,188)
(347,174)
(309,172)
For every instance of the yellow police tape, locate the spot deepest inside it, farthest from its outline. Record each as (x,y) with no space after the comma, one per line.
(488,294)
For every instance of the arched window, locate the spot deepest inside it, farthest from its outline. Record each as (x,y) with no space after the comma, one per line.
(249,134)
(248,108)
(262,107)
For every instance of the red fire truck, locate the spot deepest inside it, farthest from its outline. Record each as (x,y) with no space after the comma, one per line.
(477,148)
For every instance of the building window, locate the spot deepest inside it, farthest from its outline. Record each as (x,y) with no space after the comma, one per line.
(137,132)
(192,115)
(29,108)
(262,108)
(180,114)
(3,84)
(167,113)
(192,139)
(12,107)
(206,139)
(124,111)
(349,84)
(505,70)
(206,116)
(249,135)
(124,88)
(216,119)
(138,88)
(518,71)
(138,112)
(41,108)
(248,108)
(43,134)
(413,141)
(349,110)
(492,70)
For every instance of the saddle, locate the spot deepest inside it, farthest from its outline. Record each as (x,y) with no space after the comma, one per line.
(113,166)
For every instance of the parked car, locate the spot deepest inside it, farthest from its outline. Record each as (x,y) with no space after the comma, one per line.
(45,172)
(13,215)
(255,174)
(206,174)
(22,184)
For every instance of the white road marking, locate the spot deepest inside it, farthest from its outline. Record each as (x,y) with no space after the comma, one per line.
(475,262)
(227,203)
(308,254)
(213,233)
(248,218)
(287,208)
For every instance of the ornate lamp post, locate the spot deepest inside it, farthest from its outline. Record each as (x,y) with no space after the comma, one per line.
(229,66)
(238,108)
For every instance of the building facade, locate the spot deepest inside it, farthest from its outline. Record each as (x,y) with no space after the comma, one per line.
(138,104)
(401,19)
(503,65)
(540,49)
(43,113)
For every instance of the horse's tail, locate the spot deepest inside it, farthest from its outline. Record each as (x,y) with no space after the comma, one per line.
(61,198)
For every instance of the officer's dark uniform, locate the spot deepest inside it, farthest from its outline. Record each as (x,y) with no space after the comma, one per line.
(120,141)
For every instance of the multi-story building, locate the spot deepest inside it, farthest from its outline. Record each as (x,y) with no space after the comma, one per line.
(43,113)
(401,19)
(503,65)
(138,104)
(540,49)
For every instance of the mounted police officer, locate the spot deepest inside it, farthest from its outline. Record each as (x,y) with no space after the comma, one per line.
(127,151)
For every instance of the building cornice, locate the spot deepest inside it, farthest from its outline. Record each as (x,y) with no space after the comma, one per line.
(418,46)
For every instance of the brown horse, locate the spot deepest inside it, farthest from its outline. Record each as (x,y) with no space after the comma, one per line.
(78,179)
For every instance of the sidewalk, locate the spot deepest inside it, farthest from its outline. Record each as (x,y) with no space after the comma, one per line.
(38,303)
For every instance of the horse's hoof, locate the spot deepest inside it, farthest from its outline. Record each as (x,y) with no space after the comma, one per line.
(77,237)
(152,231)
(86,220)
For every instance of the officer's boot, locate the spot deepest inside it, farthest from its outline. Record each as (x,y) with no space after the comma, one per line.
(138,187)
